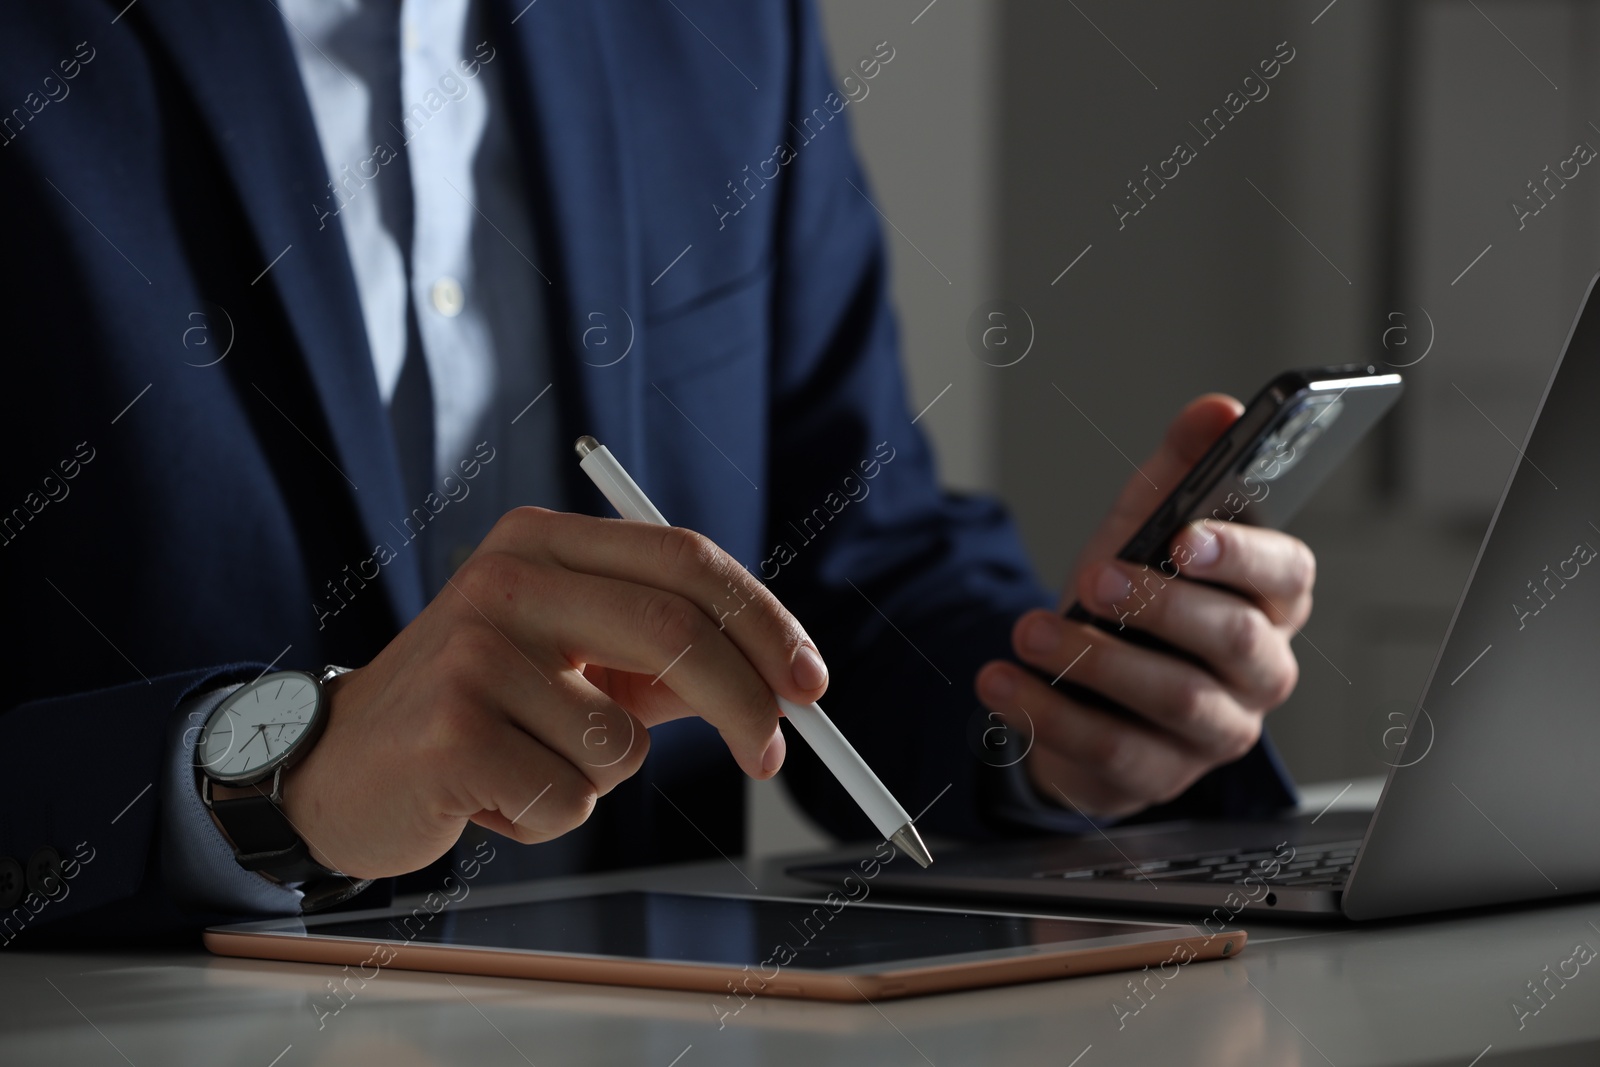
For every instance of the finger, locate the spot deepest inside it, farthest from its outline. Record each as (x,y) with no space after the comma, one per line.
(1119,765)
(643,692)
(1167,692)
(504,780)
(1268,566)
(1230,633)
(553,703)
(588,729)
(685,563)
(1195,429)
(640,630)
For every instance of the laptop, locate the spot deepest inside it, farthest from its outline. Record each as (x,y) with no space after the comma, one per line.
(1494,796)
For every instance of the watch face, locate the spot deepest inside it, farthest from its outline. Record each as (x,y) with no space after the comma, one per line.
(253,730)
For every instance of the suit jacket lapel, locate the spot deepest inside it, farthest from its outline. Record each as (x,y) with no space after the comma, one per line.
(562,63)
(241,73)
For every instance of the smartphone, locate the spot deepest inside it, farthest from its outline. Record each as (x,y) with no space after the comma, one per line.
(735,947)
(1291,436)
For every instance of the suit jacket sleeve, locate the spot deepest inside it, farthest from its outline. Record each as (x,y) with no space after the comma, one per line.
(117,817)
(909,589)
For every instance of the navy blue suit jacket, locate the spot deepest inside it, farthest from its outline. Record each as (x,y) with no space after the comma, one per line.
(166,526)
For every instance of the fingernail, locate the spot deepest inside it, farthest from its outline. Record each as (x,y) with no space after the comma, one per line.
(772,758)
(1042,635)
(808,669)
(1000,685)
(1112,585)
(1202,544)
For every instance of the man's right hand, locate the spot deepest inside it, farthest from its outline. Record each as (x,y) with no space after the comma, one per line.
(522,693)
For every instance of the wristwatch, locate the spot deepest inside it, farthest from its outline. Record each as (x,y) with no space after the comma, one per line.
(253,736)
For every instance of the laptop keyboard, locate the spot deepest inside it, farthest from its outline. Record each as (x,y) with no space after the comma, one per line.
(1319,867)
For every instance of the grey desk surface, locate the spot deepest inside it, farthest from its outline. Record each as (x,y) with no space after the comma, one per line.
(1432,992)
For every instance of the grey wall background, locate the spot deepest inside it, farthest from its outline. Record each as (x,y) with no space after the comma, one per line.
(1360,212)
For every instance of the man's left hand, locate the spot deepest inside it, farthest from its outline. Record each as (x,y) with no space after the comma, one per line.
(1191,718)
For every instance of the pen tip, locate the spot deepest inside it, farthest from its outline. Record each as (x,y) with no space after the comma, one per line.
(585,445)
(907,840)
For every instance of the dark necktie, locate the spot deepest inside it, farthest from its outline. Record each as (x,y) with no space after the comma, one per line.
(411,418)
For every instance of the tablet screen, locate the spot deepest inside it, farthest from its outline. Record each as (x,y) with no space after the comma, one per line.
(729,930)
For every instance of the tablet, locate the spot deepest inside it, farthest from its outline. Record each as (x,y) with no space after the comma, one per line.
(736,946)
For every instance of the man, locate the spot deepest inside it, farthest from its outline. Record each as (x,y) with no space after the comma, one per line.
(305,300)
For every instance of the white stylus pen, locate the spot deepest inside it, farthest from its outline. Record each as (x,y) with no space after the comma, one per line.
(809,720)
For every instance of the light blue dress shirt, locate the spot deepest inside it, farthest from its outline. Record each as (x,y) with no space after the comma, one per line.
(426,184)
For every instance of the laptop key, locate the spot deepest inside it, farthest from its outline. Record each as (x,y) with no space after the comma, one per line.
(1184,872)
(1085,872)
(1150,865)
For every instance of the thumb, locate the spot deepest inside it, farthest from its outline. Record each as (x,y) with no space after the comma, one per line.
(1195,429)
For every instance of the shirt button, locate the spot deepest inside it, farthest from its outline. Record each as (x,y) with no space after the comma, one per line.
(447,297)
